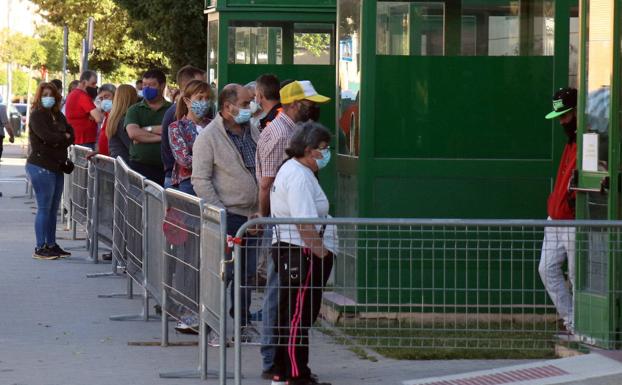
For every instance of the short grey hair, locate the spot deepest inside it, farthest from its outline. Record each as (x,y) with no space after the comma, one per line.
(309,134)
(107,87)
(251,85)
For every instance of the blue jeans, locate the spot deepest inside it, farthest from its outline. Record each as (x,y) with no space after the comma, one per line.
(185,186)
(48,188)
(270,305)
(249,266)
(168,182)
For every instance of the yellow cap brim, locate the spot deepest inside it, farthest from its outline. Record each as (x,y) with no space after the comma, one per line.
(318,99)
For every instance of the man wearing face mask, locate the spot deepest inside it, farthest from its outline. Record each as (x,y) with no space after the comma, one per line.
(267,96)
(143,123)
(223,174)
(298,100)
(559,242)
(81,112)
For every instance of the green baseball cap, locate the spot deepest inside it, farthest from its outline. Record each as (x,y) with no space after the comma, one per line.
(564,100)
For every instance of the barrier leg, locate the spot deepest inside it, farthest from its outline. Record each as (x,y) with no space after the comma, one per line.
(129,292)
(113,273)
(164,319)
(143,316)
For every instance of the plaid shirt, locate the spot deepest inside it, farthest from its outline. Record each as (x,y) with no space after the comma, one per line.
(246,145)
(271,146)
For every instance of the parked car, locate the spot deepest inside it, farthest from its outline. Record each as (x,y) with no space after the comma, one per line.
(22,108)
(16,120)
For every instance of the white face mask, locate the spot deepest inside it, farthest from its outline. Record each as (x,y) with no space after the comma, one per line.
(255,107)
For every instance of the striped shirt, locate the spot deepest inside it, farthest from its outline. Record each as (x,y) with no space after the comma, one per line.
(271,146)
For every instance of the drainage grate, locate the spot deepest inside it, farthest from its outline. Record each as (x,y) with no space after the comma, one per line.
(506,377)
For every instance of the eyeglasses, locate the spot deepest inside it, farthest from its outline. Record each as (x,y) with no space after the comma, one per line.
(323,148)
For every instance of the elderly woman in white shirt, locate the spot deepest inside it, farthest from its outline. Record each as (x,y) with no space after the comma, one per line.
(303,254)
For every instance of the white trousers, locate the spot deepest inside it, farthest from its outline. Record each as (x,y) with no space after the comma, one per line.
(559,245)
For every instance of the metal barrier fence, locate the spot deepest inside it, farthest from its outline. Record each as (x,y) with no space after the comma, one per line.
(67,194)
(414,288)
(101,186)
(79,188)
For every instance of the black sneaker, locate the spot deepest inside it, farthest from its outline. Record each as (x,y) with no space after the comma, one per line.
(106,257)
(58,250)
(44,253)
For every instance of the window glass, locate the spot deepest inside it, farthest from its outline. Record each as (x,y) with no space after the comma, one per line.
(255,45)
(573,49)
(499,28)
(410,28)
(349,76)
(212,49)
(313,43)
(281,43)
(599,69)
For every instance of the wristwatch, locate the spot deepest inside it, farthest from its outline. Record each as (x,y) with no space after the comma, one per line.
(149,129)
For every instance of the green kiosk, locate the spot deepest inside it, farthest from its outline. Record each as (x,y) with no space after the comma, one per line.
(599,277)
(441,109)
(293,39)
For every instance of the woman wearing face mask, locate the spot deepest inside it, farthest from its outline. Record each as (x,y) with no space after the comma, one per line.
(118,141)
(256,112)
(104,103)
(50,135)
(303,253)
(192,109)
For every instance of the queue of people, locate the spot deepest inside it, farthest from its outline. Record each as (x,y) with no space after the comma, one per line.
(257,155)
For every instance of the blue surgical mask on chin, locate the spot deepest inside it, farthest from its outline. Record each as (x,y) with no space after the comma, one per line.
(321,163)
(244,115)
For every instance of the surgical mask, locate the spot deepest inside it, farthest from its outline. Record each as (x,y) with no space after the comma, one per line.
(321,163)
(244,115)
(48,101)
(150,93)
(92,91)
(200,107)
(255,107)
(106,105)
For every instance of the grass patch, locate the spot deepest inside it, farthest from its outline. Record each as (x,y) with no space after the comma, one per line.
(407,340)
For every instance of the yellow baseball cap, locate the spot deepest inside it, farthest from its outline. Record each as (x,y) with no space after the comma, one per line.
(300,90)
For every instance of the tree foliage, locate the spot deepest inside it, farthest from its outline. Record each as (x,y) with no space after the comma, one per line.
(316,43)
(20,49)
(113,42)
(176,28)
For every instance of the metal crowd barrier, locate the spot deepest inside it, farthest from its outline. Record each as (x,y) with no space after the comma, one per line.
(411,289)
(136,238)
(181,265)
(101,186)
(67,194)
(79,189)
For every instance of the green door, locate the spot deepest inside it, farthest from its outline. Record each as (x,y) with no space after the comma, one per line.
(597,284)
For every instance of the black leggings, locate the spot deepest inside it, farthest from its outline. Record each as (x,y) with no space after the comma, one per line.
(299,306)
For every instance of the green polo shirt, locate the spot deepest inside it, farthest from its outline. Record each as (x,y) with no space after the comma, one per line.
(142,115)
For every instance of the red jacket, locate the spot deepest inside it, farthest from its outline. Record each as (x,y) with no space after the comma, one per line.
(558,205)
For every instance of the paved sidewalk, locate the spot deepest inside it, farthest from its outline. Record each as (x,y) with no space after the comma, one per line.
(55,331)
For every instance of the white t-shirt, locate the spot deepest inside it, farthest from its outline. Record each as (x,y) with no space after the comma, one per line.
(296,193)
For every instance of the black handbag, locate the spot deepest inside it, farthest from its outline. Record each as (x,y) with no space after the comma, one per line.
(67,166)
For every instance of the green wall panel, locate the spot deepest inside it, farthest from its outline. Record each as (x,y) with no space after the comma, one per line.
(463,107)
(476,196)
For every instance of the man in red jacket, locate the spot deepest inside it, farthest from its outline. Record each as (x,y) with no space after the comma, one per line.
(559,242)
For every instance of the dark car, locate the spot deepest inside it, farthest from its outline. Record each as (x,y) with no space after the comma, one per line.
(16,120)
(23,109)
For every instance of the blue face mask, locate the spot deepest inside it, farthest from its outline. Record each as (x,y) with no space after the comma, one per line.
(200,107)
(106,105)
(150,93)
(321,163)
(48,101)
(244,115)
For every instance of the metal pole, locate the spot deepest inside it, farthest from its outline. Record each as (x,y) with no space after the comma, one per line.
(223,301)
(237,311)
(65,51)
(95,217)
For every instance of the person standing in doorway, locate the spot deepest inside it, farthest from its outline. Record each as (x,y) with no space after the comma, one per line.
(559,242)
